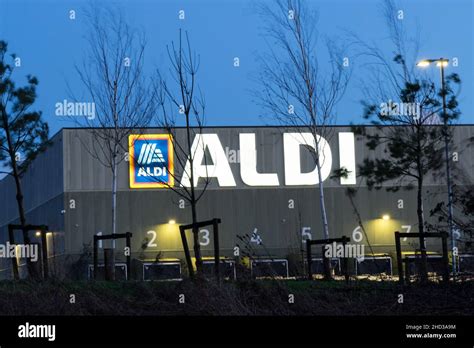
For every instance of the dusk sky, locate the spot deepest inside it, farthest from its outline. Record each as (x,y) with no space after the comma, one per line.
(49,44)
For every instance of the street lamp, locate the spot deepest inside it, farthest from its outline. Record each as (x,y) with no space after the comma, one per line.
(442,63)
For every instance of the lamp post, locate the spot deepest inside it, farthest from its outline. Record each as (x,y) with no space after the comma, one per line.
(441,63)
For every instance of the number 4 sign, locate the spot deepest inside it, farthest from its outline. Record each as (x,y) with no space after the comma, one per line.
(255,238)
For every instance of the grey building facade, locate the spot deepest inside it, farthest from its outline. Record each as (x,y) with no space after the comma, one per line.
(69,190)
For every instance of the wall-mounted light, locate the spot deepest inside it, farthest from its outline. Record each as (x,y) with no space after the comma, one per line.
(38,234)
(171,222)
(385,217)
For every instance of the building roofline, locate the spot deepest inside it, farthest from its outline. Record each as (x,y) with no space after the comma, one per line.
(250,126)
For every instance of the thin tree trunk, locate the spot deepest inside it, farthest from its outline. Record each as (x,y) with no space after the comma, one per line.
(19,192)
(114,164)
(21,210)
(419,212)
(421,230)
(196,245)
(114,217)
(324,218)
(114,198)
(323,204)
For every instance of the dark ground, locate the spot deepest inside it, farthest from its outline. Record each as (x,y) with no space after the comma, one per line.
(234,298)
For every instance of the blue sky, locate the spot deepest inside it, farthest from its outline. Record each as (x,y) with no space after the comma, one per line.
(49,44)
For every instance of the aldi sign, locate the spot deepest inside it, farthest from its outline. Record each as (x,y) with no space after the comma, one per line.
(151,160)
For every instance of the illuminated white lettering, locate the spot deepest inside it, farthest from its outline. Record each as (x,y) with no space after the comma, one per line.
(220,168)
(292,143)
(248,164)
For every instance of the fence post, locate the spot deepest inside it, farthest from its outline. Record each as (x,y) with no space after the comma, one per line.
(44,248)
(344,259)
(445,258)
(96,256)
(216,248)
(399,257)
(309,259)
(109,264)
(11,236)
(186,252)
(129,248)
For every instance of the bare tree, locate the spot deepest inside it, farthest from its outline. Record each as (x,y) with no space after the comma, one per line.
(183,98)
(114,80)
(294,90)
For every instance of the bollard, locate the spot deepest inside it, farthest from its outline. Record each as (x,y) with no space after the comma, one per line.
(109,264)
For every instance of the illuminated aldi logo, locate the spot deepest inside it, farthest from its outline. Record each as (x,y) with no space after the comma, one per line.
(151,160)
